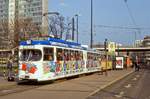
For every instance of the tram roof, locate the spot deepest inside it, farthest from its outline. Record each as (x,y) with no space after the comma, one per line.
(53,42)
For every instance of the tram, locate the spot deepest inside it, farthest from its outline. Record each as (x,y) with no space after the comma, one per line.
(43,60)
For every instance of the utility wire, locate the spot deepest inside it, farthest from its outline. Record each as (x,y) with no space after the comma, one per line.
(130,13)
(132,18)
(120,27)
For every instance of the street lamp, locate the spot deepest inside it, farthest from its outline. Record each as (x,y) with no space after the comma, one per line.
(77,26)
(106,55)
(73,29)
(91,23)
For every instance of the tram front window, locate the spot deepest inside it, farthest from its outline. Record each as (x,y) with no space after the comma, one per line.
(30,55)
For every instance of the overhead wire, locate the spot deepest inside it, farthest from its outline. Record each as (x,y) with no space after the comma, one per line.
(130,13)
(121,27)
(132,18)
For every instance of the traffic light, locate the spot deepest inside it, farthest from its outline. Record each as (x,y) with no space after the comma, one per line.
(105,44)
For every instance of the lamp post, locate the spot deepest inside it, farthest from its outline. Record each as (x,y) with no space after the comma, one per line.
(73,29)
(106,55)
(77,27)
(91,23)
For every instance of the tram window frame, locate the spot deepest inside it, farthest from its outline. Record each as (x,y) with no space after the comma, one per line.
(65,55)
(90,55)
(72,55)
(69,55)
(76,55)
(59,54)
(30,55)
(80,53)
(49,56)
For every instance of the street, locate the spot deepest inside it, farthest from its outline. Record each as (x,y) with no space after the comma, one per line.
(78,88)
(134,86)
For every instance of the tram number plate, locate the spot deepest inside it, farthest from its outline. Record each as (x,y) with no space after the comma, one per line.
(26,77)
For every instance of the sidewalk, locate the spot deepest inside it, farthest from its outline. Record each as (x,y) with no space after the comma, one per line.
(79,88)
(4,84)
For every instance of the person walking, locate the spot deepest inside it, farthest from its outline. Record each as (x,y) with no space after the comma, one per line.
(9,68)
(137,67)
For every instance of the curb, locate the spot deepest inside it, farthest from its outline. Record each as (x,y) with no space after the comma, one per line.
(104,86)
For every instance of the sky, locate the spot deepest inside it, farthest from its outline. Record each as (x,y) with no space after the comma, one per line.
(108,13)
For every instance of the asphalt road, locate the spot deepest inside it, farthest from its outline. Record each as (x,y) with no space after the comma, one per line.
(134,86)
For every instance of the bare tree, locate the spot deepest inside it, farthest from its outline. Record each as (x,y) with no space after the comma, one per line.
(13,31)
(56,25)
(3,33)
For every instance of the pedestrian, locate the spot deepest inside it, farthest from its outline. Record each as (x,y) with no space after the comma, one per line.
(137,67)
(9,68)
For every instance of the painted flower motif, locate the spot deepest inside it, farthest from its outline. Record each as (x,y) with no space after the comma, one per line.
(52,66)
(58,67)
(32,69)
(46,69)
(24,67)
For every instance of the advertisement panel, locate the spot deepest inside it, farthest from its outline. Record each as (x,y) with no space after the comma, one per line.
(119,62)
(111,47)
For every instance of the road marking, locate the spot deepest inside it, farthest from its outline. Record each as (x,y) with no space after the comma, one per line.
(134,79)
(128,86)
(137,75)
(110,83)
(120,94)
(5,91)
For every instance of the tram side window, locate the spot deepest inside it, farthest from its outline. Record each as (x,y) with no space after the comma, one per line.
(48,54)
(60,54)
(89,56)
(72,57)
(80,55)
(95,56)
(76,56)
(65,55)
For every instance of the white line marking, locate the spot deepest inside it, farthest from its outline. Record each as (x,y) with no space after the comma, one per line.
(128,86)
(137,75)
(134,79)
(120,94)
(5,91)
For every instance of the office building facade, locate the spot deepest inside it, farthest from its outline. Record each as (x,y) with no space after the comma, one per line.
(146,43)
(12,10)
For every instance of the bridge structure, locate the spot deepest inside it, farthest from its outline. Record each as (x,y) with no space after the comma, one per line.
(143,53)
(127,49)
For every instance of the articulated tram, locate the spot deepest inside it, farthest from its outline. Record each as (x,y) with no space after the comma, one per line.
(51,59)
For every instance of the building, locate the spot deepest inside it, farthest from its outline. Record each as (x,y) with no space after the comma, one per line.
(146,43)
(14,11)
(35,10)
(3,24)
(138,43)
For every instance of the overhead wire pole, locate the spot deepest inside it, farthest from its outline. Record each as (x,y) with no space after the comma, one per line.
(73,29)
(77,22)
(131,16)
(91,23)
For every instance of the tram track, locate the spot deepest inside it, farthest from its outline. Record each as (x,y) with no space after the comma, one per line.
(17,89)
(25,86)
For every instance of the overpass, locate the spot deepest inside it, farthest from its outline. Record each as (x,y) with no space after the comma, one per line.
(127,49)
